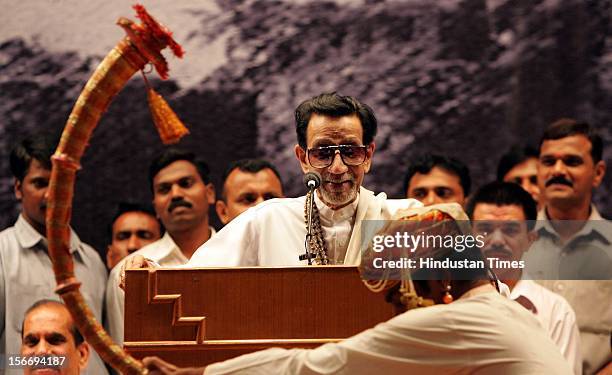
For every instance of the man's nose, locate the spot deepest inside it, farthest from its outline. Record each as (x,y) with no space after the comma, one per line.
(176,191)
(559,167)
(496,237)
(134,243)
(337,166)
(258,200)
(42,348)
(430,198)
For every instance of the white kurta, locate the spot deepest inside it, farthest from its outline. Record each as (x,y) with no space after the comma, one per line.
(557,318)
(485,333)
(273,232)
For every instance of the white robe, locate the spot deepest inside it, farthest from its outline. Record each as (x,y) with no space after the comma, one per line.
(273,232)
(484,333)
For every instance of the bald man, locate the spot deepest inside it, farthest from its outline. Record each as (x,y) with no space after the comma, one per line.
(48,330)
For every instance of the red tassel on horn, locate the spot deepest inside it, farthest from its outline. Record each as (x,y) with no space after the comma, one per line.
(169,126)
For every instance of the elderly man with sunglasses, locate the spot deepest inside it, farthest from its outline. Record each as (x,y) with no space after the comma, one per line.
(336,139)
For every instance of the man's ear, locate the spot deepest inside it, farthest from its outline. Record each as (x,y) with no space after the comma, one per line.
(210,193)
(83,350)
(221,209)
(300,154)
(155,208)
(367,164)
(17,189)
(600,172)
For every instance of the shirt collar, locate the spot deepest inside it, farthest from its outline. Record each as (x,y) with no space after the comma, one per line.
(520,287)
(166,242)
(543,224)
(28,237)
(522,293)
(345,213)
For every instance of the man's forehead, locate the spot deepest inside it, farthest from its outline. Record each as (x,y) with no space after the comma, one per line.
(48,318)
(487,211)
(525,167)
(436,177)
(323,128)
(573,145)
(38,169)
(175,171)
(265,180)
(132,220)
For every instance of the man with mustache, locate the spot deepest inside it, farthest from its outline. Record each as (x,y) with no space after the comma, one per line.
(573,254)
(26,272)
(505,215)
(335,139)
(48,331)
(182,197)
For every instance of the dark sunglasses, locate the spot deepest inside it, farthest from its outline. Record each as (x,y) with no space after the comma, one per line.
(322,157)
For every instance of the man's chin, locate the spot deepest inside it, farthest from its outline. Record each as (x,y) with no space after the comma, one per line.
(338,200)
(562,198)
(182,214)
(180,210)
(559,190)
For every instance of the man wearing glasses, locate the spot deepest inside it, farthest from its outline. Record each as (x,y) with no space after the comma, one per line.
(336,139)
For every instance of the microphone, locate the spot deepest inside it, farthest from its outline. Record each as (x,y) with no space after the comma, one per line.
(312,180)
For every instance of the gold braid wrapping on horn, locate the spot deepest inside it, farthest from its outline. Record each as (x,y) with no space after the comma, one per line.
(142,45)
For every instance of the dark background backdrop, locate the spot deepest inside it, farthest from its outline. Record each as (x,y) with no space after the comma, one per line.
(466,78)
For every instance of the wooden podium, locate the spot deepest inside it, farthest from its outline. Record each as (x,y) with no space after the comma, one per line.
(194,317)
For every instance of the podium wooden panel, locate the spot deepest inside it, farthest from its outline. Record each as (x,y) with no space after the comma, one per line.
(200,316)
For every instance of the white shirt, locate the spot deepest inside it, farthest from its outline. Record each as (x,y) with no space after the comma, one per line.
(482,333)
(273,232)
(166,253)
(557,318)
(337,226)
(26,276)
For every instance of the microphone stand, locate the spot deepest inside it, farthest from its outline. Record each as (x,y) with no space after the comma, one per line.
(308,254)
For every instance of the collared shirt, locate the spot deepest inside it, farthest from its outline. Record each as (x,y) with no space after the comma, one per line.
(587,255)
(557,318)
(26,276)
(590,299)
(273,232)
(483,333)
(337,226)
(164,252)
